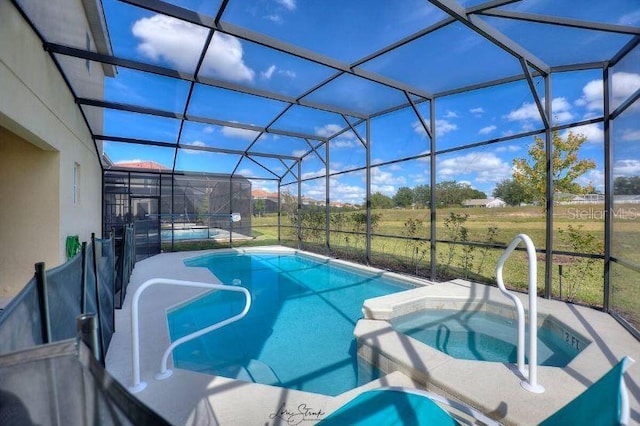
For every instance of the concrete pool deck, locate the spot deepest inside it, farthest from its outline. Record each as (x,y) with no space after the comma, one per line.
(193,398)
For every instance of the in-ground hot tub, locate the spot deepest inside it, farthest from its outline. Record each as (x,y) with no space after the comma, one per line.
(451,337)
(487,332)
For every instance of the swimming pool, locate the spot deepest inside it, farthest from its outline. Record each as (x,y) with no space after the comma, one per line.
(482,335)
(299,331)
(189,234)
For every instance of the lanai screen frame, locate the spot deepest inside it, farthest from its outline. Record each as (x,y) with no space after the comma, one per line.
(532,67)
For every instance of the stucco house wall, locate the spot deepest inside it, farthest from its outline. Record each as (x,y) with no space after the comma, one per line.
(44,143)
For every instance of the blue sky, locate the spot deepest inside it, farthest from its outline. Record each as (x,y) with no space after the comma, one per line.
(448,58)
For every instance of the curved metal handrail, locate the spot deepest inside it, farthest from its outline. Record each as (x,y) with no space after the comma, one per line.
(139,385)
(531,383)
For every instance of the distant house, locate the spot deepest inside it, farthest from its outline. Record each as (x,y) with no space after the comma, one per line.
(140,164)
(489,203)
(562,198)
(270,201)
(626,199)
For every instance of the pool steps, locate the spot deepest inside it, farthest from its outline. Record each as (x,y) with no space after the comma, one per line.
(138,385)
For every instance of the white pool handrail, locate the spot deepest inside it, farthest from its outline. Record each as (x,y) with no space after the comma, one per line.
(139,385)
(531,383)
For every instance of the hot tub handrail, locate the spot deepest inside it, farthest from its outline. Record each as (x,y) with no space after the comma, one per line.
(139,385)
(531,383)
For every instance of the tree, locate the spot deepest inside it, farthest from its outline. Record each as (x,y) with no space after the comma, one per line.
(258,207)
(511,192)
(404,197)
(451,193)
(565,167)
(381,201)
(626,185)
(422,195)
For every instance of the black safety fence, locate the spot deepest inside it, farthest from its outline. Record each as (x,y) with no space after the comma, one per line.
(63,384)
(126,248)
(46,309)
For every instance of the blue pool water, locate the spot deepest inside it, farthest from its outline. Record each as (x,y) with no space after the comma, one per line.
(480,335)
(188,234)
(299,331)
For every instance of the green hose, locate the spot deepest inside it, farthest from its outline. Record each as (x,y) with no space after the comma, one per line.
(73,246)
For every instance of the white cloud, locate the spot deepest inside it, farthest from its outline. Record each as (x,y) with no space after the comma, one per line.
(593,132)
(486,130)
(268,73)
(594,177)
(591,96)
(234,132)
(379,176)
(385,182)
(418,128)
(342,143)
(180,43)
(486,166)
(346,193)
(559,104)
(624,85)
(528,111)
(313,174)
(630,135)
(563,117)
(287,73)
(327,130)
(444,126)
(451,114)
(208,129)
(245,172)
(289,4)
(560,108)
(299,152)
(477,111)
(275,18)
(508,148)
(631,18)
(194,151)
(419,179)
(626,168)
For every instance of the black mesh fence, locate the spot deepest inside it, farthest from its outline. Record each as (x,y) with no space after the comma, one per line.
(84,284)
(62,384)
(64,291)
(105,267)
(124,259)
(20,322)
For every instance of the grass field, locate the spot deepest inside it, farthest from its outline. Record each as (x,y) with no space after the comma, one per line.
(577,229)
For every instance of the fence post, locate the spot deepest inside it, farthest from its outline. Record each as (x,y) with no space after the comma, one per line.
(88,333)
(43,302)
(97,287)
(83,295)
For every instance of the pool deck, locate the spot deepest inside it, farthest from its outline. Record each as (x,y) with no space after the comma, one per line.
(193,398)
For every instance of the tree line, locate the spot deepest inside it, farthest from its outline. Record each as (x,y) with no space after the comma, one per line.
(448,193)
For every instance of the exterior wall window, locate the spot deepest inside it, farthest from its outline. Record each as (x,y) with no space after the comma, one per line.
(76,183)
